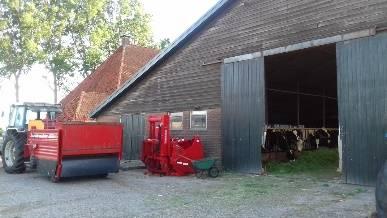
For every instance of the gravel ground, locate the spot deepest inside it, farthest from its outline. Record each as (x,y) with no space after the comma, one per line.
(133,194)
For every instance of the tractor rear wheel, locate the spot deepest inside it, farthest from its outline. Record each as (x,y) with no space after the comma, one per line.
(13,155)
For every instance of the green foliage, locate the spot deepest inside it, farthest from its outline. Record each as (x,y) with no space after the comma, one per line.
(164,43)
(97,26)
(19,38)
(66,35)
(310,162)
(54,18)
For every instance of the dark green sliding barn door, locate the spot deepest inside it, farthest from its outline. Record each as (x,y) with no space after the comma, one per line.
(134,133)
(362,90)
(243,115)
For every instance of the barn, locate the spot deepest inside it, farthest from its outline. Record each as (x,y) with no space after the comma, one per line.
(249,66)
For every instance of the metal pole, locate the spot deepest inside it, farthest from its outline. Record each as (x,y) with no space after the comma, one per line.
(298,103)
(324,111)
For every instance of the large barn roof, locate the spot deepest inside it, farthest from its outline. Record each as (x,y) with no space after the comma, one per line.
(108,77)
(196,27)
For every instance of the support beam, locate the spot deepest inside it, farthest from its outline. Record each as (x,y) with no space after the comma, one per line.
(301,93)
(324,119)
(303,45)
(298,103)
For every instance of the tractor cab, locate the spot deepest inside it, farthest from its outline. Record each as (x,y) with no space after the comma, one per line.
(29,116)
(23,118)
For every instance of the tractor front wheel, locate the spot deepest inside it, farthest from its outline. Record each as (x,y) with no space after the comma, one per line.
(13,155)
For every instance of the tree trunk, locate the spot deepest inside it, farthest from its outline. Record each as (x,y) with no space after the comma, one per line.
(17,77)
(55,88)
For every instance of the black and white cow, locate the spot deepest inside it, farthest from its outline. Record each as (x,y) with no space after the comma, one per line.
(283,141)
(322,138)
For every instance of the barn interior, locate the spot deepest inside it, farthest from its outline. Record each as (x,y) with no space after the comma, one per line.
(301,95)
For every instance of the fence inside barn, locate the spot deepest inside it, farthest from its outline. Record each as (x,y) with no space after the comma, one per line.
(283,143)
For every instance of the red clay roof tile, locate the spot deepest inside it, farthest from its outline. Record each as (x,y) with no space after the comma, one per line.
(107,78)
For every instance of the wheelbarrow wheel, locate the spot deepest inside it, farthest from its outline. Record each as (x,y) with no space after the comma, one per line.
(54,179)
(199,174)
(213,172)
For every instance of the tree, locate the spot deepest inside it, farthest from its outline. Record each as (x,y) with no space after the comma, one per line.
(54,17)
(67,36)
(164,43)
(97,27)
(19,39)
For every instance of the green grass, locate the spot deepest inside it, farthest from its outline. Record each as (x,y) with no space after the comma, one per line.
(322,161)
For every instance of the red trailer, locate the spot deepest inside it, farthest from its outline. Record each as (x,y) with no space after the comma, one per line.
(76,149)
(58,149)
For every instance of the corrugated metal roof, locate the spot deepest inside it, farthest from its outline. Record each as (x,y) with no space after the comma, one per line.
(163,55)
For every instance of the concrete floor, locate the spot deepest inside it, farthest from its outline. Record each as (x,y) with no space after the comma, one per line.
(133,194)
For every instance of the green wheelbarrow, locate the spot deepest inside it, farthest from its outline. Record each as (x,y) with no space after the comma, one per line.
(206,166)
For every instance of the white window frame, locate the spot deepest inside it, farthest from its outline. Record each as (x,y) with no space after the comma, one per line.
(204,112)
(180,114)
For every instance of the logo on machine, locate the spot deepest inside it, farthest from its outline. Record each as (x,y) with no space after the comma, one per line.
(182,163)
(44,135)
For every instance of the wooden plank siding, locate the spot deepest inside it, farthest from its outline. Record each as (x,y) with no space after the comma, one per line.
(186,81)
(210,137)
(183,83)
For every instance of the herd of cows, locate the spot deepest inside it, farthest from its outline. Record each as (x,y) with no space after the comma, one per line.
(292,141)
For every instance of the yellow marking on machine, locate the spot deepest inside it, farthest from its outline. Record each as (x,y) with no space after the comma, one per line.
(35,124)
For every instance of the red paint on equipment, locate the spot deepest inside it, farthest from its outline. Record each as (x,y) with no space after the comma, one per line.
(75,140)
(163,155)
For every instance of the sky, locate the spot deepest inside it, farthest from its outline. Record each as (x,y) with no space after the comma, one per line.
(170,18)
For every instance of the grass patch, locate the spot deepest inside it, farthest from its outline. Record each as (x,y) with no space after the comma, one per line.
(322,161)
(243,188)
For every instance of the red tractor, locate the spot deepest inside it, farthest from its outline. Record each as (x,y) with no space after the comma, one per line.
(59,149)
(165,156)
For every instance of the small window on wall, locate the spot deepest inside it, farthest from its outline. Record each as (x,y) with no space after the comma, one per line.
(199,120)
(177,121)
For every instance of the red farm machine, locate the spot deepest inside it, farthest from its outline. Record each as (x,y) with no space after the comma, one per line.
(59,149)
(168,156)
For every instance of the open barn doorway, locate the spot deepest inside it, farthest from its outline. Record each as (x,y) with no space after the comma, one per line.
(302,108)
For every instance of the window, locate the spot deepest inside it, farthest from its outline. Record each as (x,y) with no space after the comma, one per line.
(199,120)
(177,121)
(31,115)
(44,115)
(19,116)
(12,117)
